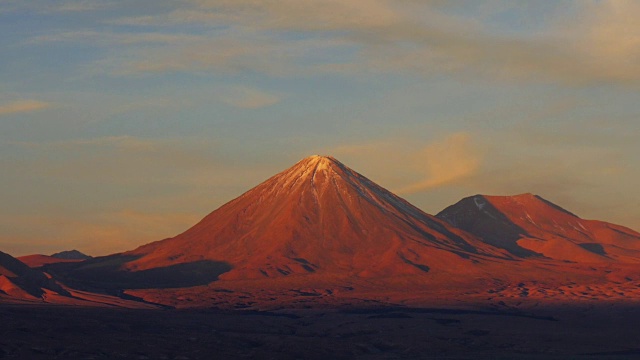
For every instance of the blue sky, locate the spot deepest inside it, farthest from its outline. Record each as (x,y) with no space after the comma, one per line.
(125,122)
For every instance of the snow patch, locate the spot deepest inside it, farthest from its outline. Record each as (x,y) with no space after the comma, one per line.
(530,219)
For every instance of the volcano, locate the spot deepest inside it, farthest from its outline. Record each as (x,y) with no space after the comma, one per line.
(318,218)
(527,225)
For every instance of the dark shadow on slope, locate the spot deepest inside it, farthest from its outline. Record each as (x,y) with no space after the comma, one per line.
(594,248)
(17,267)
(488,223)
(422,267)
(30,280)
(107,274)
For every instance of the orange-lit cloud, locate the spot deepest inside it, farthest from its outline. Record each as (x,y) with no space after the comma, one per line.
(408,166)
(445,162)
(22,106)
(609,38)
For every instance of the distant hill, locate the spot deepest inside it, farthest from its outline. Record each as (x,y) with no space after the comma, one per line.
(71,255)
(38,260)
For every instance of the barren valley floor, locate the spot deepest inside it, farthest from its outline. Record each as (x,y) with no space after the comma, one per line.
(586,331)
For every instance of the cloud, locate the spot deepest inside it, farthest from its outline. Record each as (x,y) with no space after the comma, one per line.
(123,142)
(48,7)
(240,52)
(599,45)
(98,38)
(22,106)
(407,165)
(308,15)
(250,98)
(609,37)
(82,5)
(445,162)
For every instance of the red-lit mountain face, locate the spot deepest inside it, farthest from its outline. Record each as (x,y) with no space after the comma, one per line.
(529,226)
(316,219)
(320,232)
(319,216)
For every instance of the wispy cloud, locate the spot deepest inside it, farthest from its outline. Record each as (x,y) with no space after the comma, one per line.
(116,142)
(250,98)
(444,162)
(22,106)
(600,45)
(62,6)
(110,38)
(408,165)
(81,5)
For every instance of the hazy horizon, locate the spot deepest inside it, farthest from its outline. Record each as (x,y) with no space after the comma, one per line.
(126,122)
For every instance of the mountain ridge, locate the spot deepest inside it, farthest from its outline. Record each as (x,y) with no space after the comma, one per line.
(529,225)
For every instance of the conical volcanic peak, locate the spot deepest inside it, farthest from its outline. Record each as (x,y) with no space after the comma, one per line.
(527,225)
(318,217)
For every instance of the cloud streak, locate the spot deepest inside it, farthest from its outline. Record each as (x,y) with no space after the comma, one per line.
(409,166)
(601,45)
(250,98)
(22,106)
(445,162)
(98,38)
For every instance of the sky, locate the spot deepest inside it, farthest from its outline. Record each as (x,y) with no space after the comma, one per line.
(125,122)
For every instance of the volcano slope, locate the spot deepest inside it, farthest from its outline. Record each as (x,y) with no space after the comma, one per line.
(317,228)
(321,233)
